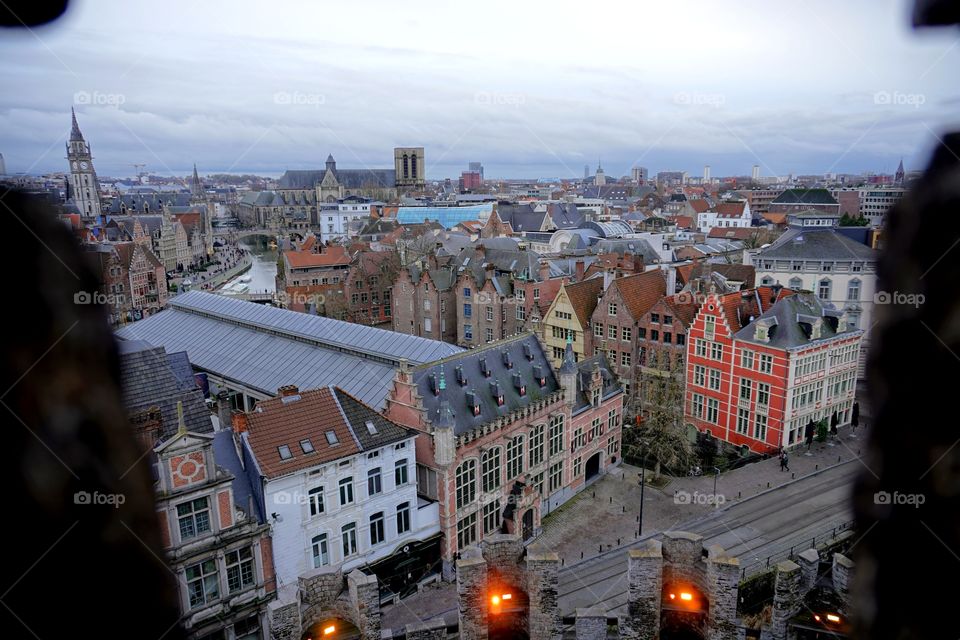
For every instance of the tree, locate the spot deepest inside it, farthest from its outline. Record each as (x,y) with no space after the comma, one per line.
(662,435)
(846,220)
(822,430)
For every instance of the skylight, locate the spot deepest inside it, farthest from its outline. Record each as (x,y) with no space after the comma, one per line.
(332,438)
(285,453)
(371,428)
(307,446)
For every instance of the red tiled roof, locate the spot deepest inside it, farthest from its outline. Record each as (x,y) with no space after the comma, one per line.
(699,205)
(282,421)
(683,222)
(641,291)
(307,244)
(775,218)
(731,233)
(733,209)
(684,307)
(331,256)
(583,298)
(740,306)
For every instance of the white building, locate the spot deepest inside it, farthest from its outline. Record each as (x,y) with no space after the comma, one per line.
(725,214)
(340,488)
(874,203)
(333,219)
(813,255)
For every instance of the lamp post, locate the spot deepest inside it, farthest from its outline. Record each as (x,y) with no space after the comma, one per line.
(716,476)
(643,485)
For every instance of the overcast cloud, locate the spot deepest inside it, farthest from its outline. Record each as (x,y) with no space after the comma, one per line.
(529,89)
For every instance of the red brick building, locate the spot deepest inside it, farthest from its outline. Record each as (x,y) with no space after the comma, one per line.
(308,276)
(424,302)
(367,290)
(507,438)
(763,363)
(134,282)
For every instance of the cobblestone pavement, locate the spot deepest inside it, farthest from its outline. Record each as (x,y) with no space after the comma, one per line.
(604,515)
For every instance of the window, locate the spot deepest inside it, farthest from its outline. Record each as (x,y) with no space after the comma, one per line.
(467,531)
(285,453)
(667,337)
(655,317)
(403,518)
(514,457)
(466,482)
(612,419)
(332,438)
(400,472)
(466,292)
(490,469)
(374,482)
(598,329)
(376,529)
(746,359)
(612,309)
(536,445)
(763,393)
(743,421)
(795,283)
(823,289)
(709,326)
(625,359)
(194,518)
(853,290)
(468,332)
(489,314)
(306,446)
(203,583)
(579,439)
(536,294)
(760,427)
(716,351)
(491,516)
(700,347)
(641,333)
(348,535)
(667,319)
(626,334)
(681,339)
(489,334)
(538,483)
(248,629)
(612,332)
(556,434)
(744,389)
(556,476)
(654,334)
(521,312)
(696,405)
(699,375)
(467,310)
(239,565)
(577,466)
(321,552)
(596,428)
(346,491)
(714,379)
(315,497)
(713,410)
(766,363)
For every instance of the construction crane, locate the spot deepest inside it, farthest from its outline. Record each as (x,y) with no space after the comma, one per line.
(140,171)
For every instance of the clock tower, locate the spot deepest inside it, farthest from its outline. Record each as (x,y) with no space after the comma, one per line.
(82,188)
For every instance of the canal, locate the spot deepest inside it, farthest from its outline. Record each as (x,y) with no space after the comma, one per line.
(261,277)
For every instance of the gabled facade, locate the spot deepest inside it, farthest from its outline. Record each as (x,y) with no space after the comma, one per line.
(506,438)
(761,364)
(569,317)
(424,302)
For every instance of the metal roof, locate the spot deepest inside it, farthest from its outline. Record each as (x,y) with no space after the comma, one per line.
(447,216)
(264,348)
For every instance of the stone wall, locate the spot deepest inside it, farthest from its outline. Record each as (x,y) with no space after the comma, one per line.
(432,630)
(809,562)
(644,589)
(723,580)
(284,615)
(502,553)
(842,575)
(472,594)
(591,624)
(365,601)
(542,585)
(320,594)
(787,597)
(682,559)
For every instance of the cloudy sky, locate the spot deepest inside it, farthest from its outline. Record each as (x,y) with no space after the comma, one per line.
(530,89)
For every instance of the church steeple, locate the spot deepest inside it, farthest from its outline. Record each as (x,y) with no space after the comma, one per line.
(83,190)
(75,134)
(898,179)
(196,187)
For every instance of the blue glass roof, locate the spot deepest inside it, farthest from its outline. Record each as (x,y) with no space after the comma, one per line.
(447,216)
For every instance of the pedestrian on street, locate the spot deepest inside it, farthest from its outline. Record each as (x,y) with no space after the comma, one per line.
(783,462)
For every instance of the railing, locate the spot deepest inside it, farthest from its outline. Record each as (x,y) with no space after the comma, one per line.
(789,554)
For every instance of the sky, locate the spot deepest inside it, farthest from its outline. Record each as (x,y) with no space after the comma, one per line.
(530,89)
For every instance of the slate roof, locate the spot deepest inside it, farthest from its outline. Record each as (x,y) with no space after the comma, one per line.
(817,244)
(265,348)
(635,246)
(225,455)
(584,376)
(149,379)
(521,217)
(348,178)
(525,354)
(139,202)
(740,306)
(791,321)
(804,196)
(739,272)
(566,215)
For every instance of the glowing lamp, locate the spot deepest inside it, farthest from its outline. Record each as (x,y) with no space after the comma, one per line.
(495,600)
(506,596)
(686,596)
(673,596)
(328,630)
(816,617)
(831,617)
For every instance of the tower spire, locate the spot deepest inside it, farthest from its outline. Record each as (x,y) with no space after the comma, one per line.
(75,129)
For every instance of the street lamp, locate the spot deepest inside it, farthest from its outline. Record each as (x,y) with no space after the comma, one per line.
(716,476)
(643,484)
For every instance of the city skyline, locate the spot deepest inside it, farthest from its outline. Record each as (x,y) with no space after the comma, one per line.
(542,106)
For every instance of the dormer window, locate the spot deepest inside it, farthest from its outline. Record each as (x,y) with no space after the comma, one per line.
(507,362)
(473,403)
(762,333)
(527,352)
(461,376)
(497,393)
(484,369)
(539,376)
(518,384)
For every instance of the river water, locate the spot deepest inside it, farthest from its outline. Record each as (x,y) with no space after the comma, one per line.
(261,277)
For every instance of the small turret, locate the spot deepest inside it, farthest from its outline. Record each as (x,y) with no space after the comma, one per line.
(568,373)
(444,424)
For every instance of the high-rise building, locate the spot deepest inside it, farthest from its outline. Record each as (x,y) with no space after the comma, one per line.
(755,173)
(3,166)
(706,173)
(83,188)
(409,165)
(477,167)
(586,171)
(639,174)
(600,179)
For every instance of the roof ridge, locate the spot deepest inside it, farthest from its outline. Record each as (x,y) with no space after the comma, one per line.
(346,420)
(485,347)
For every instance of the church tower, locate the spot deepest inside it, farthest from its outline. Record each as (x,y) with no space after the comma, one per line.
(83,188)
(898,179)
(198,198)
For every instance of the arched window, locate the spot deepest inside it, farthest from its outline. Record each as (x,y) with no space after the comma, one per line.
(766,281)
(490,469)
(824,289)
(406,166)
(466,482)
(413,167)
(796,284)
(853,290)
(514,457)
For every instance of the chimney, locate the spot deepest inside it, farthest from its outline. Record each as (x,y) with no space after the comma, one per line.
(608,277)
(544,270)
(638,264)
(671,273)
(481,251)
(288,390)
(580,270)
(239,422)
(224,410)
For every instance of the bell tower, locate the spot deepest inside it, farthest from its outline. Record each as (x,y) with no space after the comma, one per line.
(83,188)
